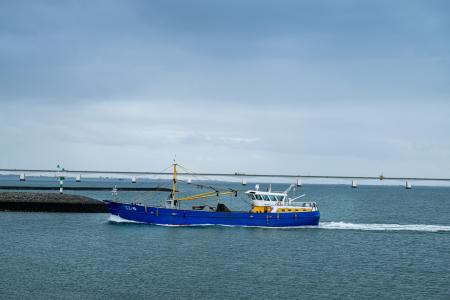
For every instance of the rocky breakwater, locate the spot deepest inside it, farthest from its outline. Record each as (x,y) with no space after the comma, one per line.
(49,202)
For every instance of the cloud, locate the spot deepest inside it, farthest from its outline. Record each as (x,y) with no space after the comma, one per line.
(234,51)
(320,87)
(358,139)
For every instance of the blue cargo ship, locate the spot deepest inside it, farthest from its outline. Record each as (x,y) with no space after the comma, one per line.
(268,209)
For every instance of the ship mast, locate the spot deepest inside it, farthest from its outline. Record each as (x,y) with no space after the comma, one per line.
(172,201)
(174,181)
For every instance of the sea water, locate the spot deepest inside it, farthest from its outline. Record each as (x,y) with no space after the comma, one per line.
(373,242)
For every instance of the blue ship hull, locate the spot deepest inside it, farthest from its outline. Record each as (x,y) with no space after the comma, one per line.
(167,216)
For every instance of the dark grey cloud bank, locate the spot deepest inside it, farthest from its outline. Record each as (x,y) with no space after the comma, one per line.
(280,86)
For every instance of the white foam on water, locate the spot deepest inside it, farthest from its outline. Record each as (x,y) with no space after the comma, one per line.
(322,225)
(383,227)
(117,219)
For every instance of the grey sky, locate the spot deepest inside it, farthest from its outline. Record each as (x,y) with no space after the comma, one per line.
(336,87)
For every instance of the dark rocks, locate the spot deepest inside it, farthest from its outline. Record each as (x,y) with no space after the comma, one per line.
(49,202)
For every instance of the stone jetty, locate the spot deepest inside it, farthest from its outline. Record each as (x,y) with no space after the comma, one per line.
(49,202)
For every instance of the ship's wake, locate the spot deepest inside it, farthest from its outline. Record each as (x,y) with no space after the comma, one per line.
(117,219)
(325,225)
(383,227)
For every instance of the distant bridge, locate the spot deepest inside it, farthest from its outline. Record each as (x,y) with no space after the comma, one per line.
(239,175)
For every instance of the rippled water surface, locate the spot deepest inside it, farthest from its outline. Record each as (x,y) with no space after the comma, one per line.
(373,242)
